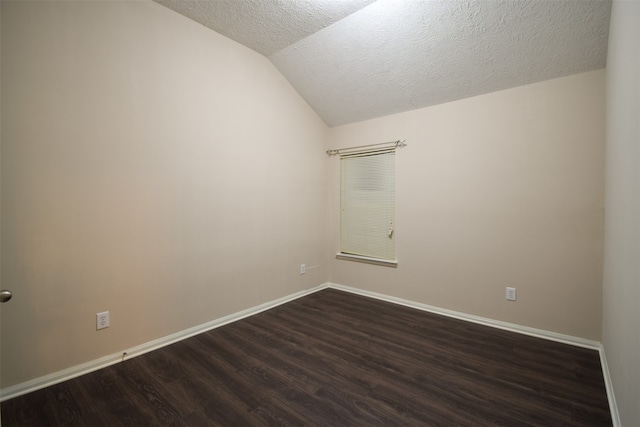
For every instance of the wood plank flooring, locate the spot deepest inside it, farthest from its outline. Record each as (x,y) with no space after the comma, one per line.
(335,359)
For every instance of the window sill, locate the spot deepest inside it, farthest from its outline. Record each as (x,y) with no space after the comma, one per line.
(368,260)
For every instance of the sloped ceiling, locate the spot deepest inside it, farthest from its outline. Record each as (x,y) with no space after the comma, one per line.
(354,60)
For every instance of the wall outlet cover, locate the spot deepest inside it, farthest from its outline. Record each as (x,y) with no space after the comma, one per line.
(102,320)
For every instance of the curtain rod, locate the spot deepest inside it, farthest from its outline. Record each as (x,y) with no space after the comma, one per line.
(368,148)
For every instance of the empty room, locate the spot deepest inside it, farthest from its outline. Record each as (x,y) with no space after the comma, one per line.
(320,212)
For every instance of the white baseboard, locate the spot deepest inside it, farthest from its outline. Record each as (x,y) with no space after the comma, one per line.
(539,333)
(103,362)
(613,406)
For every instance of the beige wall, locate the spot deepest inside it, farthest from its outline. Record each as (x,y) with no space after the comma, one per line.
(621,336)
(504,189)
(152,168)
(155,169)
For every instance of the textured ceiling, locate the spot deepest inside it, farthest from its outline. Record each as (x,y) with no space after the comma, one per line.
(361,59)
(266,26)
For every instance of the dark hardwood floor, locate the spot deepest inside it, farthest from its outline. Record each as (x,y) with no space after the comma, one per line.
(335,359)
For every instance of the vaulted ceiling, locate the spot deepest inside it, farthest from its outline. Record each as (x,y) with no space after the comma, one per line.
(354,60)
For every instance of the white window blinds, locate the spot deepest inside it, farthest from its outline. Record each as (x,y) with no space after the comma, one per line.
(368,205)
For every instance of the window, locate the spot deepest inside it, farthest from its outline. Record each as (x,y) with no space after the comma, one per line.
(367,203)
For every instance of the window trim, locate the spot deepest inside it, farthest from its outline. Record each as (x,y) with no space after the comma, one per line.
(368,260)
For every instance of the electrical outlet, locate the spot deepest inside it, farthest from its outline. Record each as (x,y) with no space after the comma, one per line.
(511,294)
(102,320)
(303,269)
